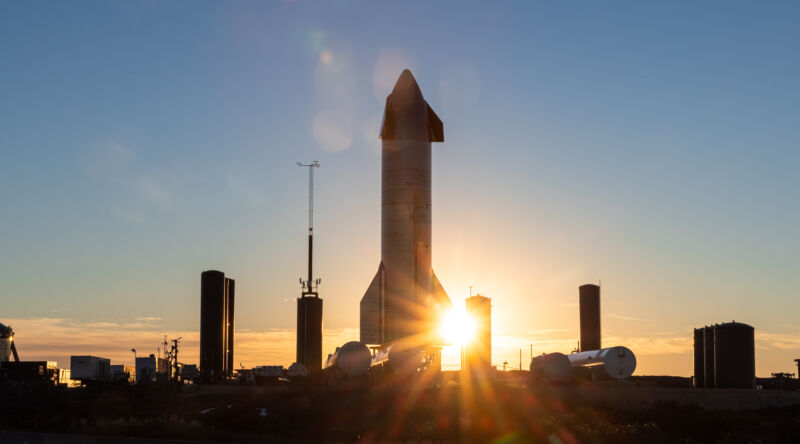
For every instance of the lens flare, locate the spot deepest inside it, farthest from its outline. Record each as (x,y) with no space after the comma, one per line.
(457,327)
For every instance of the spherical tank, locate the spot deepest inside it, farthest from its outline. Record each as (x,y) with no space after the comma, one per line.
(734,356)
(352,359)
(554,367)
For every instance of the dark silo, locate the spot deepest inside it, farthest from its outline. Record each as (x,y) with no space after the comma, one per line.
(231,290)
(589,299)
(699,357)
(708,357)
(216,325)
(309,332)
(734,356)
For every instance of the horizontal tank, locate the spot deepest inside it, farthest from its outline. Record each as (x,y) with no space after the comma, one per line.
(618,362)
(352,359)
(553,367)
(398,359)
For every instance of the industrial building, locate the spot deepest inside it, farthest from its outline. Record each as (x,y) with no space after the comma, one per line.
(123,373)
(152,369)
(476,356)
(90,368)
(589,301)
(724,356)
(216,326)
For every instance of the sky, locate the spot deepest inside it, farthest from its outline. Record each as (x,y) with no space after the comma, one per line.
(651,147)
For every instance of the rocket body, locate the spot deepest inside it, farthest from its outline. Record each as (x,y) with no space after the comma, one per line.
(405,298)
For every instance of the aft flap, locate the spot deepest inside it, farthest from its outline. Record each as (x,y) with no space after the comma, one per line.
(440,297)
(435,126)
(371,314)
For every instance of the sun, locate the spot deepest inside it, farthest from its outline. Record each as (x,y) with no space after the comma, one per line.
(457,327)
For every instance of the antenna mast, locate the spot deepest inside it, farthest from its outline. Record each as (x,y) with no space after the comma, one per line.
(309,285)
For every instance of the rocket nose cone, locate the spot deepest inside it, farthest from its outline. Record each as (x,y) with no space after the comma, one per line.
(406,86)
(407,114)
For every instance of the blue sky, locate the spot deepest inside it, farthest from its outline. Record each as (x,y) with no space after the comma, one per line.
(651,146)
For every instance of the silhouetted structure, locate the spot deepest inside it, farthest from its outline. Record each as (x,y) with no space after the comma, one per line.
(699,366)
(309,332)
(216,325)
(734,355)
(405,298)
(589,299)
(309,304)
(708,357)
(797,361)
(477,356)
(728,352)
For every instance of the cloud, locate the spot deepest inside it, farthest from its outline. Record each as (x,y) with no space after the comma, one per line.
(120,151)
(777,341)
(56,339)
(152,191)
(627,318)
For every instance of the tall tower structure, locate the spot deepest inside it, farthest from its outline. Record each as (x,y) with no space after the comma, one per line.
(589,301)
(216,325)
(309,304)
(477,355)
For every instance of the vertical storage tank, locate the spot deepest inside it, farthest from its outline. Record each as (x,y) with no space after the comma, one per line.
(589,299)
(708,357)
(216,325)
(309,332)
(230,290)
(699,365)
(734,355)
(477,355)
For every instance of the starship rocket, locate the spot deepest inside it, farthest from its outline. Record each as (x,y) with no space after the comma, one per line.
(405,299)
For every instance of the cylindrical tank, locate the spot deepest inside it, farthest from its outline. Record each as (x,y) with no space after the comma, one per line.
(589,299)
(618,362)
(734,356)
(400,360)
(212,324)
(352,359)
(708,357)
(699,365)
(309,332)
(229,311)
(5,343)
(554,367)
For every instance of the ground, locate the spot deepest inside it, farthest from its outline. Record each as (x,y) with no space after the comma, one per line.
(503,411)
